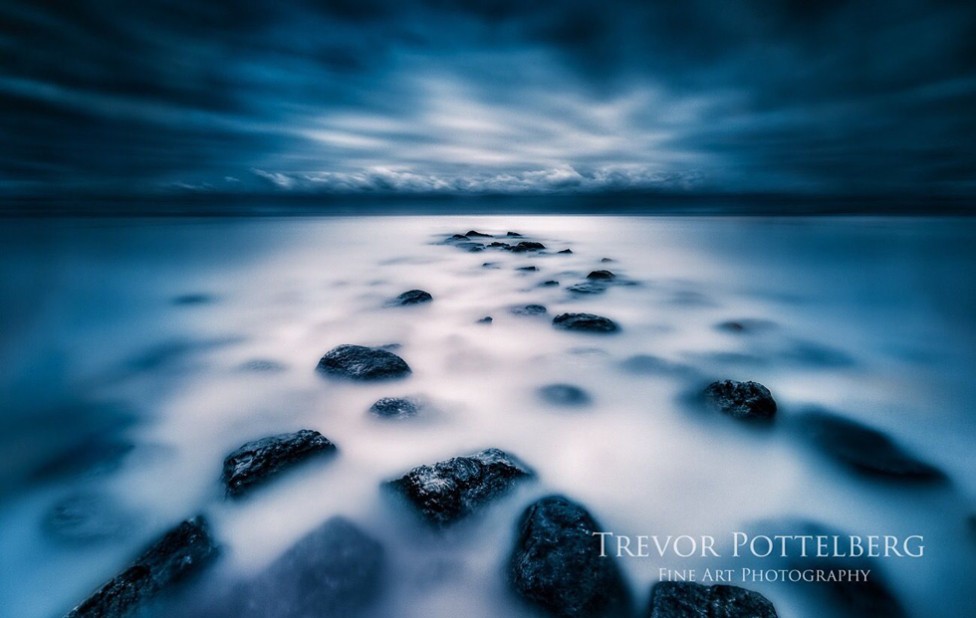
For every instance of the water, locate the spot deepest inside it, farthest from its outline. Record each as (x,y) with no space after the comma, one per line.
(137,354)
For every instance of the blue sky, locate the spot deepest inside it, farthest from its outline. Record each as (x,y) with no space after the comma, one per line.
(487,96)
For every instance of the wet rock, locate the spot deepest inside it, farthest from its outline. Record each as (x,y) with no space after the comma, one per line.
(528,310)
(499,245)
(585,322)
(175,557)
(411,297)
(88,518)
(550,283)
(564,395)
(526,245)
(528,269)
(863,449)
(257,461)
(601,275)
(395,407)
(451,490)
(358,362)
(744,400)
(565,251)
(513,235)
(556,563)
(485,320)
(474,234)
(691,600)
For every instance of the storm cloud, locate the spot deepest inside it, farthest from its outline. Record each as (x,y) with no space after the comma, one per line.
(488,96)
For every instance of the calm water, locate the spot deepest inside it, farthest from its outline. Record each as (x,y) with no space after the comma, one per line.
(137,354)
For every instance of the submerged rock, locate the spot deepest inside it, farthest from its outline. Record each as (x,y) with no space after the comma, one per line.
(691,600)
(257,461)
(529,310)
(564,395)
(336,570)
(528,245)
(485,320)
(176,556)
(395,407)
(744,326)
(499,245)
(262,365)
(411,297)
(549,284)
(528,269)
(585,322)
(654,365)
(588,287)
(556,563)
(744,400)
(471,247)
(200,298)
(601,275)
(864,449)
(458,237)
(565,251)
(361,363)
(88,518)
(451,490)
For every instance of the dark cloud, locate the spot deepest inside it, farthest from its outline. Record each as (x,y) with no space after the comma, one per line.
(488,95)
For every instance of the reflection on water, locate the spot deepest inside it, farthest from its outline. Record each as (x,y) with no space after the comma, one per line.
(137,354)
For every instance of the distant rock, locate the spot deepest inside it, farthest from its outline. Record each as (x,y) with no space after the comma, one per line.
(528,310)
(691,600)
(743,400)
(556,563)
(601,275)
(528,269)
(474,234)
(549,284)
(451,490)
(499,245)
(585,322)
(513,235)
(863,449)
(485,320)
(88,518)
(395,407)
(565,251)
(176,556)
(471,247)
(412,297)
(490,265)
(607,260)
(564,395)
(358,362)
(457,237)
(525,246)
(257,461)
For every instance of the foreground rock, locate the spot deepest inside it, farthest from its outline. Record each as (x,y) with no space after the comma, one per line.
(556,563)
(864,449)
(564,395)
(451,490)
(358,362)
(743,400)
(336,570)
(395,408)
(258,461)
(179,554)
(585,322)
(691,600)
(411,297)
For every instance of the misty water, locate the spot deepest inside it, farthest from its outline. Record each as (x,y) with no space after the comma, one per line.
(137,354)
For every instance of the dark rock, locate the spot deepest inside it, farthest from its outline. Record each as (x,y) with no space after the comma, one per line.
(864,449)
(525,246)
(528,310)
(566,251)
(528,269)
(607,260)
(451,490)
(336,570)
(193,299)
(585,322)
(513,235)
(412,297)
(588,287)
(499,245)
(485,320)
(691,600)
(471,247)
(550,283)
(361,363)
(474,234)
(175,557)
(395,407)
(458,237)
(489,265)
(88,518)
(556,563)
(745,400)
(601,275)
(564,395)
(256,462)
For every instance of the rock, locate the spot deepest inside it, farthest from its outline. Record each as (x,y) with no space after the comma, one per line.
(565,251)
(550,283)
(588,287)
(262,365)
(601,275)
(458,237)
(585,322)
(451,490)
(256,462)
(489,265)
(88,518)
(528,269)
(485,320)
(513,235)
(176,556)
(744,400)
(863,449)
(411,297)
(528,310)
(471,247)
(564,395)
(691,600)
(556,563)
(607,260)
(499,245)
(525,246)
(358,362)
(395,407)
(474,234)
(744,326)
(336,570)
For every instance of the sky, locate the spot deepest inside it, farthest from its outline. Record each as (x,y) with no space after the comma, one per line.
(487,96)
